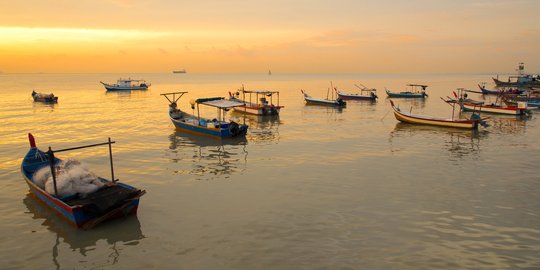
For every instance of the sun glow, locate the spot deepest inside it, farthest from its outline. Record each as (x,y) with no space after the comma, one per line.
(38,34)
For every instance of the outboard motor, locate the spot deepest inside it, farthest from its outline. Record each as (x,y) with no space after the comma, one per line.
(234,129)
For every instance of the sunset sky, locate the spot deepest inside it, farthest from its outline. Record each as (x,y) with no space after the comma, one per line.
(294,36)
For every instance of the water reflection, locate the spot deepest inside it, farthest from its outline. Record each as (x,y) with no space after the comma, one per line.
(126,94)
(507,124)
(459,142)
(263,129)
(408,103)
(207,157)
(43,106)
(115,233)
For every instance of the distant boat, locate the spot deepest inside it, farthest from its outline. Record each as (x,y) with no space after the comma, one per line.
(519,80)
(111,200)
(47,98)
(216,127)
(323,102)
(179,71)
(408,117)
(127,84)
(417,91)
(260,106)
(269,72)
(365,94)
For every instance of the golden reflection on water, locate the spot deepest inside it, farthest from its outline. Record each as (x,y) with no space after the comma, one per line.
(207,157)
(116,233)
(312,176)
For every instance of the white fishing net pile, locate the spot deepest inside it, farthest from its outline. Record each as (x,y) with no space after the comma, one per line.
(71,178)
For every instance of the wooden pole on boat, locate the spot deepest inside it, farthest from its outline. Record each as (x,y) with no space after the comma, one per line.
(110,157)
(53,172)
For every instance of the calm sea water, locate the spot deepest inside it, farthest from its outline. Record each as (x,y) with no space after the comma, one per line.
(316,188)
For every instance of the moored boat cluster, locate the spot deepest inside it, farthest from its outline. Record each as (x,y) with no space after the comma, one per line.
(104,199)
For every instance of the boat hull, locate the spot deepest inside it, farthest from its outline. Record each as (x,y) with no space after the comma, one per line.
(77,215)
(259,110)
(321,102)
(433,121)
(225,131)
(493,109)
(116,88)
(46,100)
(405,94)
(516,84)
(356,97)
(498,92)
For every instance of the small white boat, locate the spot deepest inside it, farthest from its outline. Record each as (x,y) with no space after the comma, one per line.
(127,84)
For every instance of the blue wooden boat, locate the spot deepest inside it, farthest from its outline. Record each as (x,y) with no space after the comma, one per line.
(417,91)
(338,102)
(216,127)
(519,80)
(114,199)
(47,98)
(511,91)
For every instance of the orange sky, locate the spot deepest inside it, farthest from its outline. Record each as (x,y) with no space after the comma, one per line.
(253,36)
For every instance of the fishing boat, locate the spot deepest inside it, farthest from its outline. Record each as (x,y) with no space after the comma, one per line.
(338,102)
(417,91)
(510,91)
(467,104)
(109,198)
(47,98)
(126,84)
(216,127)
(365,94)
(181,71)
(520,109)
(408,117)
(519,80)
(256,102)
(462,97)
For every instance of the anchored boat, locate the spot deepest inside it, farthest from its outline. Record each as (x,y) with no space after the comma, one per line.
(408,117)
(417,91)
(256,102)
(95,199)
(511,91)
(365,94)
(126,84)
(519,80)
(47,98)
(216,127)
(339,102)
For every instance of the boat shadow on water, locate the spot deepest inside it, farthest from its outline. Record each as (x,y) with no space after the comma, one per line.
(459,142)
(115,233)
(205,157)
(262,128)
(126,94)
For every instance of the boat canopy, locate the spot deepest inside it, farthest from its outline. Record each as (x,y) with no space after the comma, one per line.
(263,92)
(418,85)
(219,102)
